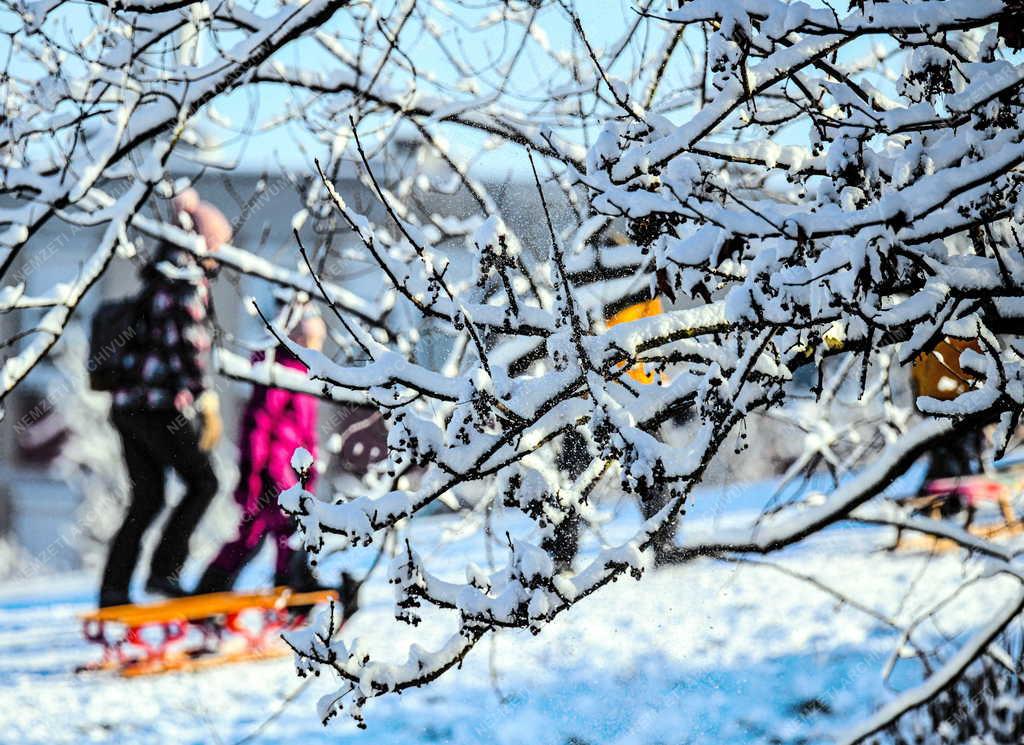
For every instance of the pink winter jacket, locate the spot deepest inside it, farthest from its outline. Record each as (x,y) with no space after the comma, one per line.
(275,422)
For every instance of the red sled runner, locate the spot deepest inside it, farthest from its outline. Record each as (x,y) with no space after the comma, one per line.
(200,631)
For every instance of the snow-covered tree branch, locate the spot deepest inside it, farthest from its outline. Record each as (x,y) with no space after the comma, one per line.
(893,228)
(790,193)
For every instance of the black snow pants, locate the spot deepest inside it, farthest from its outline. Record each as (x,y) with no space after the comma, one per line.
(154,441)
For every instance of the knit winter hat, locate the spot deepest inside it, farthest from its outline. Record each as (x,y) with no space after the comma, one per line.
(203,218)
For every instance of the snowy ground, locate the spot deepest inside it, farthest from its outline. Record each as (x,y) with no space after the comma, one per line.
(705,653)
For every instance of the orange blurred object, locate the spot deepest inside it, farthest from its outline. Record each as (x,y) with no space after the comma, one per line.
(645,309)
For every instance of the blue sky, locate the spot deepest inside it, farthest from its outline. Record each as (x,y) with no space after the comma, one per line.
(604,22)
(292,147)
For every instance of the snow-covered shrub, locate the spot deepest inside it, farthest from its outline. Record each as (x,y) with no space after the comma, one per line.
(984,705)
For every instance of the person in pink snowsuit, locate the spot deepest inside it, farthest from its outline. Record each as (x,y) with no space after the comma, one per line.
(274,424)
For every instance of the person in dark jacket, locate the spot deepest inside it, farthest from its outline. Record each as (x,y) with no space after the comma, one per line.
(167,415)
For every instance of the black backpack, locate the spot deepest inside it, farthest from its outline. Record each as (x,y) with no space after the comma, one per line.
(115,332)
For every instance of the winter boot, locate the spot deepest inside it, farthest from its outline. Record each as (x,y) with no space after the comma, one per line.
(110,598)
(165,586)
(348,592)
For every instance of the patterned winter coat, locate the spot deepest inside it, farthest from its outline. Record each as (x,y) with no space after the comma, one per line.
(170,359)
(275,422)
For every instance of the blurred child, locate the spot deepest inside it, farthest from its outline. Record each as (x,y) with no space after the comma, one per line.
(274,424)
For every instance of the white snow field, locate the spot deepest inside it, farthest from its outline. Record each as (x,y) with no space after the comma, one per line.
(709,652)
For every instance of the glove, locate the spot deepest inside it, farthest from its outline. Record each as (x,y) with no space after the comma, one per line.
(208,407)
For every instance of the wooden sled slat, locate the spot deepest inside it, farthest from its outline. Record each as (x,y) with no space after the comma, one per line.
(186,664)
(204,606)
(924,542)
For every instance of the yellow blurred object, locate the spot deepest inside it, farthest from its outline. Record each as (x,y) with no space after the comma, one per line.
(645,309)
(209,409)
(835,337)
(938,374)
